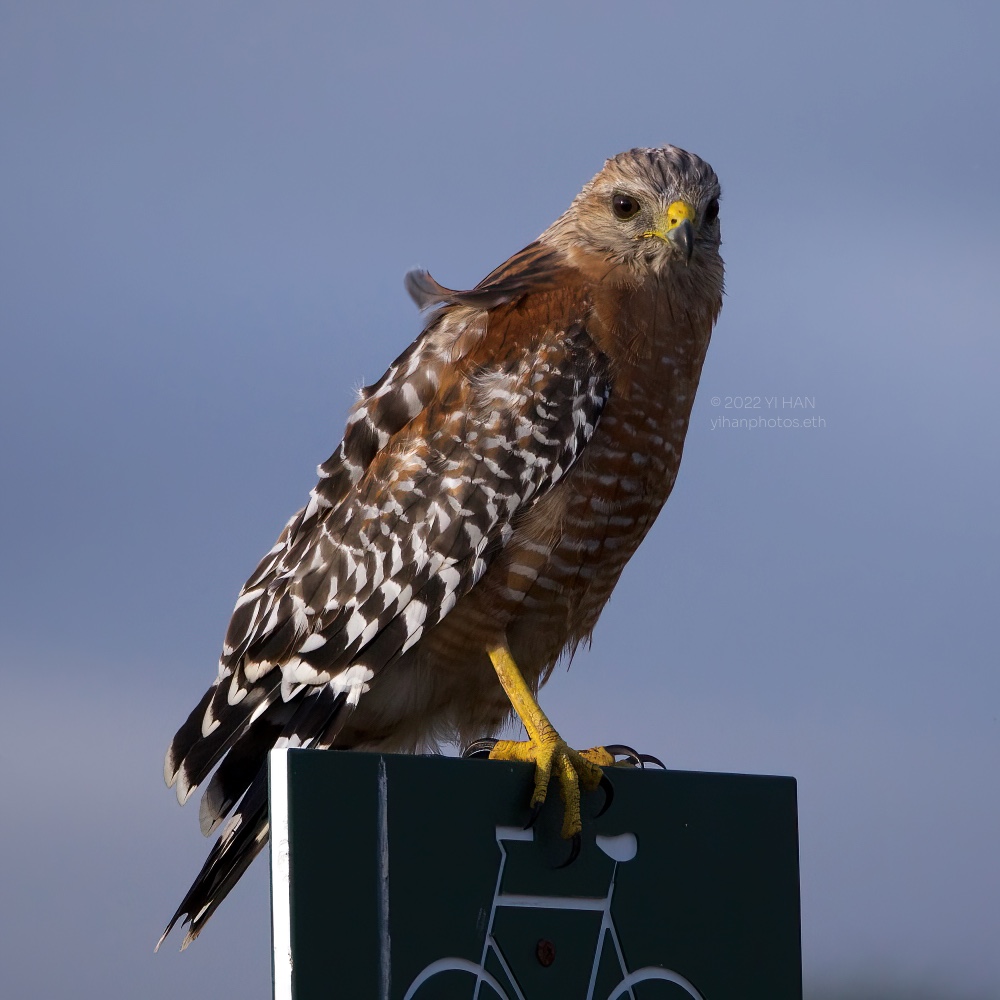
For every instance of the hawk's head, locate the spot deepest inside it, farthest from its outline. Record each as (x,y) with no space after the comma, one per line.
(649,208)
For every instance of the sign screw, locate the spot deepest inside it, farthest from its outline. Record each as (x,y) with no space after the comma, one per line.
(545,952)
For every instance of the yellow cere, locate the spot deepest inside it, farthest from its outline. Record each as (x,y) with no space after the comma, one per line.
(676,213)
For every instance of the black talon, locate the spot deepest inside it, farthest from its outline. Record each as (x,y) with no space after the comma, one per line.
(480,748)
(609,795)
(648,758)
(533,818)
(620,750)
(574,852)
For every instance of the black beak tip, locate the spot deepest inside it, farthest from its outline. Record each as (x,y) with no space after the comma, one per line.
(682,237)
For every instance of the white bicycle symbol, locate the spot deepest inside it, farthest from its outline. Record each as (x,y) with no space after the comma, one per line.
(620,849)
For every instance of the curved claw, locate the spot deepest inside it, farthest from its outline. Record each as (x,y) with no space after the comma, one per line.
(574,852)
(479,748)
(609,795)
(533,818)
(620,750)
(634,758)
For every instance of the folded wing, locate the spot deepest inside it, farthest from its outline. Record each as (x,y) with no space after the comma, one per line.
(485,412)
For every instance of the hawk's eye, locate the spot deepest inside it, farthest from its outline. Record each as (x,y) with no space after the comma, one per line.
(712,210)
(624,206)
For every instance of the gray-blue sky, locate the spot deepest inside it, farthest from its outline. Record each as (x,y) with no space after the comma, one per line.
(206,213)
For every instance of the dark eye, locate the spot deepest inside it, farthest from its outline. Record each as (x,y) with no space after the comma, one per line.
(712,210)
(624,206)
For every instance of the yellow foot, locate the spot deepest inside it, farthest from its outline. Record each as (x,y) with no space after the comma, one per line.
(573,769)
(599,756)
(548,751)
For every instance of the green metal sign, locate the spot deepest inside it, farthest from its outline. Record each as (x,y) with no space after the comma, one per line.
(412,878)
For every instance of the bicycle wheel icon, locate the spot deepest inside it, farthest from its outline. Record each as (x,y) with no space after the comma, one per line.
(454,978)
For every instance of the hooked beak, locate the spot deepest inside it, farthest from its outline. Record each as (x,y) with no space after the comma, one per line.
(675,226)
(682,237)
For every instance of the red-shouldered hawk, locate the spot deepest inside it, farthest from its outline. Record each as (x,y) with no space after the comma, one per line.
(470,527)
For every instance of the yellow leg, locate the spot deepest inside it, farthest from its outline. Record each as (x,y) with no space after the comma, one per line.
(545,747)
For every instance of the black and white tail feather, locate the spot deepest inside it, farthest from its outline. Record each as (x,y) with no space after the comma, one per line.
(401,524)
